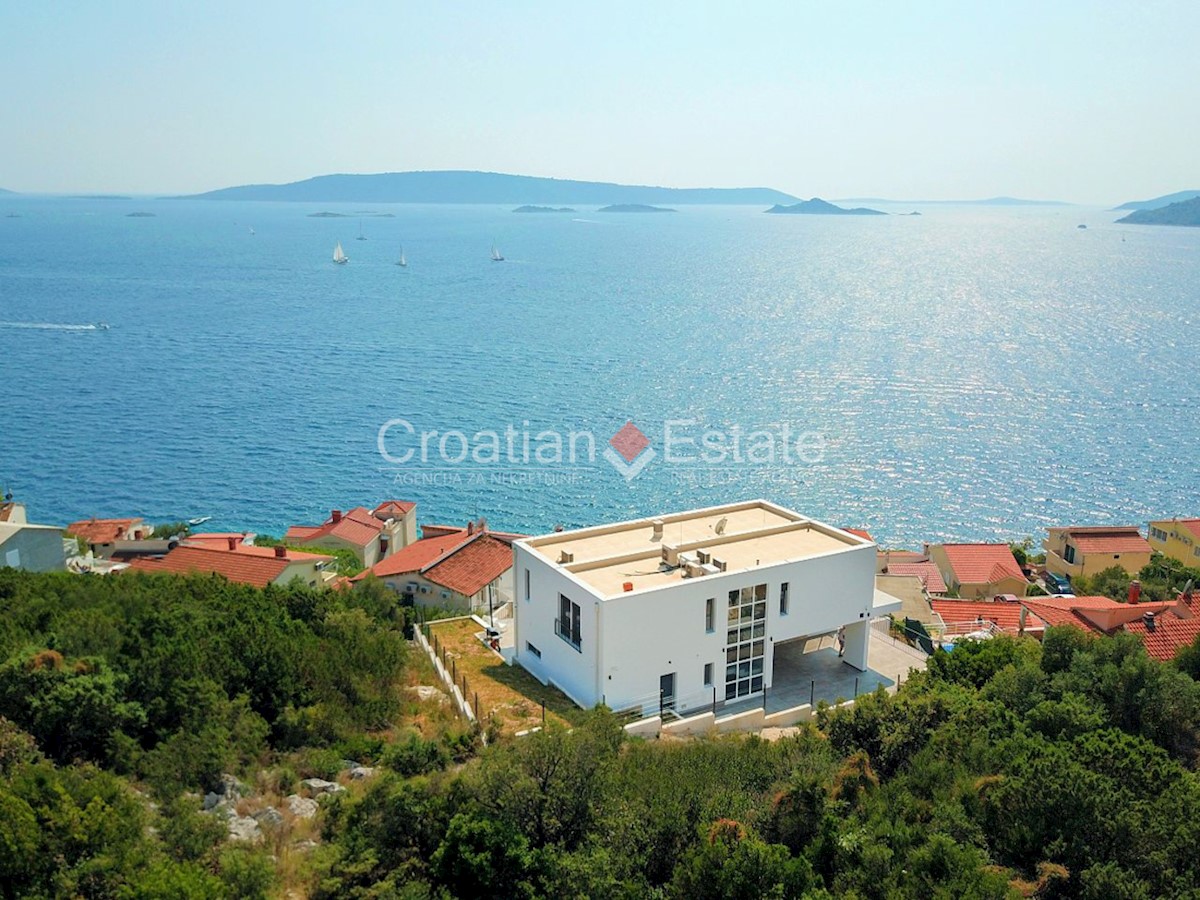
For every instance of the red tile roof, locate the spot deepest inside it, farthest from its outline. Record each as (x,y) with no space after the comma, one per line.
(1108,540)
(1100,614)
(417,555)
(358,527)
(472,566)
(927,571)
(982,563)
(1006,616)
(860,532)
(102,531)
(240,567)
(1171,630)
(393,509)
(459,561)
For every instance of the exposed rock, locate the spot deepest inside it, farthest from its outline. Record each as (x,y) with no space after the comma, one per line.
(269,817)
(229,787)
(360,772)
(348,764)
(428,692)
(321,786)
(304,846)
(244,828)
(211,801)
(301,807)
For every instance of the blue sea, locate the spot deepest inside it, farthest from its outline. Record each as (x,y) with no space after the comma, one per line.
(971,373)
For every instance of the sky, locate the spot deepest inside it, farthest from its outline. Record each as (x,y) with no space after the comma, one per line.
(1090,102)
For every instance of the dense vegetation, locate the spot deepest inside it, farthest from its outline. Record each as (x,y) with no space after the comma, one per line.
(1009,768)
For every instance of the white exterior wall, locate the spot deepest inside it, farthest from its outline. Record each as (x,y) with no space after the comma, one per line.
(643,635)
(575,672)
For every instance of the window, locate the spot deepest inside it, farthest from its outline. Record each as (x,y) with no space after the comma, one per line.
(745,641)
(566,626)
(1069,554)
(526,584)
(534,650)
(708,615)
(783,599)
(1196,552)
(708,674)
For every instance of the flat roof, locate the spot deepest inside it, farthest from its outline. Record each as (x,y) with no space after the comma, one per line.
(734,537)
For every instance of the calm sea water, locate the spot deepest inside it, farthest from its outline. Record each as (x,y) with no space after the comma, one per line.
(974,372)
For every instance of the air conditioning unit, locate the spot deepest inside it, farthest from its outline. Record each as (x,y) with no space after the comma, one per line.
(670,555)
(719,563)
(704,556)
(693,569)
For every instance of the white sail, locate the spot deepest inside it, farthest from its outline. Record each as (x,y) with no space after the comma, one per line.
(496,257)
(403,261)
(338,256)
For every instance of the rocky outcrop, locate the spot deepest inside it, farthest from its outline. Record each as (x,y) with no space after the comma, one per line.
(318,786)
(301,807)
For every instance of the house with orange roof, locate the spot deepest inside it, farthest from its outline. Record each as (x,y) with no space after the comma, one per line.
(465,569)
(257,566)
(371,535)
(98,532)
(967,616)
(1076,550)
(1177,538)
(978,571)
(1163,627)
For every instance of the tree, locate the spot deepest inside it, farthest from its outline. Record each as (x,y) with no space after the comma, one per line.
(484,858)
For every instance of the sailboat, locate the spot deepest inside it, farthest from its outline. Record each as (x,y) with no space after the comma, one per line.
(402,262)
(252,231)
(496,257)
(338,256)
(361,236)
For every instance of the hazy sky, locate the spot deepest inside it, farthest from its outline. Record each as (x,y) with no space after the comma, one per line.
(1093,102)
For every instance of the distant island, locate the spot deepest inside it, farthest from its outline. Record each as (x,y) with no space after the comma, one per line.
(544,209)
(140,215)
(3,191)
(100,197)
(1185,212)
(1159,202)
(633,208)
(485,187)
(818,207)
(990,201)
(358,215)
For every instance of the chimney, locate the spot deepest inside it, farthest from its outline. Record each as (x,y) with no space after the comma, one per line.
(1148,620)
(280,552)
(336,515)
(1135,590)
(658,530)
(470,528)
(232,543)
(139,535)
(628,586)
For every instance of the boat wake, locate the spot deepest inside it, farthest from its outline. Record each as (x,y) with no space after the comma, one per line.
(54,326)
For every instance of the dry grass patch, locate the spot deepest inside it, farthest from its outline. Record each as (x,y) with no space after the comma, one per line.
(509,693)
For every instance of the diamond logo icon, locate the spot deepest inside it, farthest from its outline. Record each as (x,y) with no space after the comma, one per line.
(629,441)
(629,451)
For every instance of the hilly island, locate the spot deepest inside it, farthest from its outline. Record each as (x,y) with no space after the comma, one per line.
(818,207)
(484,187)
(1185,212)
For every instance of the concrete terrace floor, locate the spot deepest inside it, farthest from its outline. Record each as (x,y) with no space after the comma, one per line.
(813,668)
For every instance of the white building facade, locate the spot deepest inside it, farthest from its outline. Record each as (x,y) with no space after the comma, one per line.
(687,609)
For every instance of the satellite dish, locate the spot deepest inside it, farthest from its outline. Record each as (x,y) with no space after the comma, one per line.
(719,528)
(558,526)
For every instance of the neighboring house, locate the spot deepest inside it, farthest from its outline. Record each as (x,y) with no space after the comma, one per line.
(258,566)
(910,591)
(38,548)
(371,535)
(959,617)
(463,569)
(688,606)
(1076,551)
(99,532)
(1162,627)
(885,558)
(1178,539)
(978,571)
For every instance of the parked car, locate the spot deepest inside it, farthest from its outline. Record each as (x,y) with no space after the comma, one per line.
(1058,584)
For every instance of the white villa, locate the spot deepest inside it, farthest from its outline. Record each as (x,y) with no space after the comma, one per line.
(688,609)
